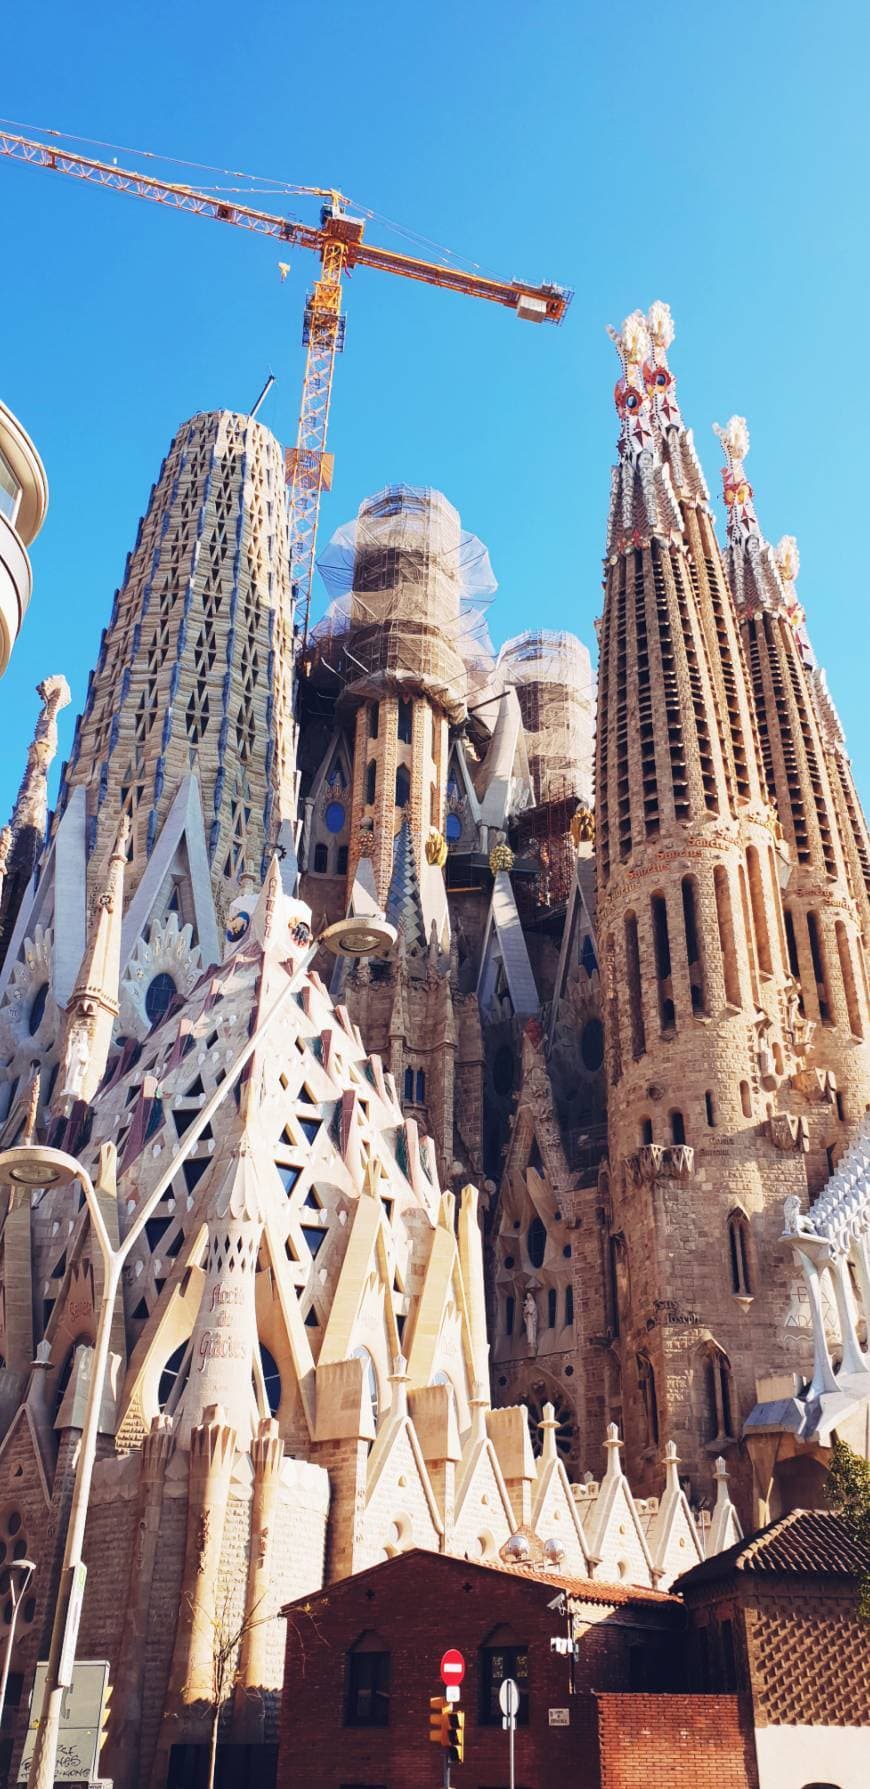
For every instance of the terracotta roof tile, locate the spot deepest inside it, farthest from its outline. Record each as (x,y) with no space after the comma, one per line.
(812,1541)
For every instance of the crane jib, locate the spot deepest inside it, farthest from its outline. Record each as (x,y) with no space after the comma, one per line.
(340,243)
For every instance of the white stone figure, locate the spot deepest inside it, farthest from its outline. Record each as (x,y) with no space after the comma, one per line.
(530,1319)
(75,1062)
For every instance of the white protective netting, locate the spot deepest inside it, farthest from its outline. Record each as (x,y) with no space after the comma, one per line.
(552,675)
(410,589)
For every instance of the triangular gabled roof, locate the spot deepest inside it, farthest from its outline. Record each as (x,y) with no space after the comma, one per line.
(505,944)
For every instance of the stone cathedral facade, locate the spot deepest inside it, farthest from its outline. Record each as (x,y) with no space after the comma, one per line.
(578,1173)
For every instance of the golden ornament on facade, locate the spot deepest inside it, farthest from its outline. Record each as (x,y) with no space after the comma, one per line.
(583,826)
(436,848)
(501,857)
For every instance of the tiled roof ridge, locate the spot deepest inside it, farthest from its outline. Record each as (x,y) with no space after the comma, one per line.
(758,1543)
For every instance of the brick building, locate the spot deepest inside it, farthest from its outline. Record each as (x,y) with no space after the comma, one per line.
(362,1662)
(754,1673)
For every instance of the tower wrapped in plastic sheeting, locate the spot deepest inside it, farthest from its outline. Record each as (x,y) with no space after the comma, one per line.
(410,589)
(552,675)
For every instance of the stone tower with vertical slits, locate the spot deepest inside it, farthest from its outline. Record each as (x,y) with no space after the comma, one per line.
(705,1044)
(825,894)
(195,668)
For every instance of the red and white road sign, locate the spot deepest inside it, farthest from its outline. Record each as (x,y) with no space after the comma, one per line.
(452,1666)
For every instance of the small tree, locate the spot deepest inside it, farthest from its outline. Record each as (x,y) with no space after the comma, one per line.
(228,1631)
(849,1495)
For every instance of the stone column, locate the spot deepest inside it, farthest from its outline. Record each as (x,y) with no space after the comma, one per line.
(121,1758)
(190,1690)
(249,1712)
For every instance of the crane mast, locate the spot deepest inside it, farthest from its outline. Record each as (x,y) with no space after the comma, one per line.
(340,243)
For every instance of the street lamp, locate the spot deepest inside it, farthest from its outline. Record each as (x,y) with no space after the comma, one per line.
(33,1165)
(23,1569)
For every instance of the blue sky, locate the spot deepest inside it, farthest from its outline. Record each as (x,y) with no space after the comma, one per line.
(716,157)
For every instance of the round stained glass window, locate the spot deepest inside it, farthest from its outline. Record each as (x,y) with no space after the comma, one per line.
(37,1009)
(158,996)
(335,816)
(452,828)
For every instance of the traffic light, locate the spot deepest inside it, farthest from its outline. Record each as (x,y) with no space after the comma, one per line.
(455,1733)
(438,1711)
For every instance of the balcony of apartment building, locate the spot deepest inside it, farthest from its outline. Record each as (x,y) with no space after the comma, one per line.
(23,503)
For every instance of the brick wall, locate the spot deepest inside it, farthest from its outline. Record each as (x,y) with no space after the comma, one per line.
(687,1742)
(418,1604)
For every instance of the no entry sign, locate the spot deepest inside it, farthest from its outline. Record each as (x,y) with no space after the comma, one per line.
(452,1666)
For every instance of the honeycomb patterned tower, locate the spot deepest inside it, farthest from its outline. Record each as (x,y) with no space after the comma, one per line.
(195,667)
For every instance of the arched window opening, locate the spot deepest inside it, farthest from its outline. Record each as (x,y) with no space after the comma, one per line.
(710,1107)
(569,1304)
(738,1255)
(620,1291)
(420,1086)
(371,1379)
(646,1381)
(718,1397)
(403,786)
(341,862)
(725,922)
(745,1099)
(850,989)
(551,1308)
(405,723)
(66,1372)
(409,1083)
(759,912)
(321,860)
(748,931)
(159,996)
(37,1009)
(452,829)
(678,1128)
(271,1380)
(791,947)
(662,949)
(503,1655)
(819,968)
(371,781)
(174,1378)
(592,1045)
(510,1305)
(693,945)
(646,1131)
(635,992)
(536,1242)
(367,1682)
(374,719)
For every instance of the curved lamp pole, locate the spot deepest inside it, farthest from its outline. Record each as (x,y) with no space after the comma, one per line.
(34,1166)
(24,1569)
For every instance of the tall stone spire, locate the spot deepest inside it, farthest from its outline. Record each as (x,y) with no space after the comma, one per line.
(822,915)
(30,813)
(689,918)
(93,1005)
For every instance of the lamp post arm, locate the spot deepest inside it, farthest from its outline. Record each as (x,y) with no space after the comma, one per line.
(42,1771)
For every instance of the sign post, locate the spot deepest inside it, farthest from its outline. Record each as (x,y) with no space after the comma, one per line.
(509,1702)
(81,1721)
(452,1672)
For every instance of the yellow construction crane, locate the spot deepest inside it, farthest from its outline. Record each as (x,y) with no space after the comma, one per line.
(340,243)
